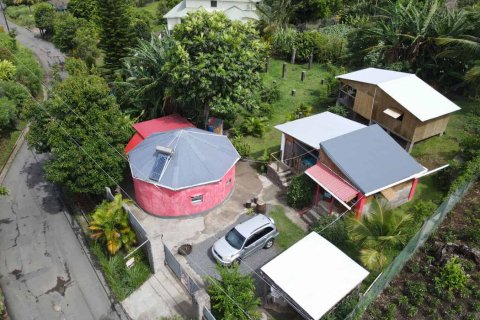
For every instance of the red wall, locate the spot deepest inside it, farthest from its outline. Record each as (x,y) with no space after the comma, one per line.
(168,203)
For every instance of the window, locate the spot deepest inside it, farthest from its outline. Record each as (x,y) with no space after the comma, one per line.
(265,231)
(213,4)
(394,113)
(197,199)
(229,181)
(257,236)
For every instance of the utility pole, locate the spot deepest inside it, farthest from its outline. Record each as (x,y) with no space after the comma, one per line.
(3,11)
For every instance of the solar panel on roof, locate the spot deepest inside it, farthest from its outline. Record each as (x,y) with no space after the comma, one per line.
(158,167)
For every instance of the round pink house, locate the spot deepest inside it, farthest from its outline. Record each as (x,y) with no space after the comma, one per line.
(182,171)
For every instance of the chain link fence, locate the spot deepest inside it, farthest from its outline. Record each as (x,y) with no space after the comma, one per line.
(428,227)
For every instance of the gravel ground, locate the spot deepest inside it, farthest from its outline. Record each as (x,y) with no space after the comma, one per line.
(202,261)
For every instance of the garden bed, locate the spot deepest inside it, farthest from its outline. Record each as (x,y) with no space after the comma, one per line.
(427,287)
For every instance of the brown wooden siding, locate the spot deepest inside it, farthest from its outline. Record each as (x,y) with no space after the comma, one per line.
(409,127)
(330,164)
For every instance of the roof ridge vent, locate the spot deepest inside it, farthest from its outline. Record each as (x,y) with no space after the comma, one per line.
(164,150)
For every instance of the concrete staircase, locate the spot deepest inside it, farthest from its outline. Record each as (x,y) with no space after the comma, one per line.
(281,176)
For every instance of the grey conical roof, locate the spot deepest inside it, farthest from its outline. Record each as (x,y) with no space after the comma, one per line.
(198,157)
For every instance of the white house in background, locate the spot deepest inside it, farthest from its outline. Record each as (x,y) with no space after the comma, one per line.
(242,10)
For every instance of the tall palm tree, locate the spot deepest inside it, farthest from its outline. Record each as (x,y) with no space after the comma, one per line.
(144,89)
(110,225)
(378,232)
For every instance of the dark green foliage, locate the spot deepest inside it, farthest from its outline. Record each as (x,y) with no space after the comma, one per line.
(44,18)
(65,29)
(7,113)
(233,296)
(338,109)
(116,36)
(265,110)
(336,232)
(301,111)
(140,25)
(163,7)
(85,133)
(86,41)
(16,92)
(311,10)
(423,209)
(254,126)
(243,148)
(270,93)
(121,280)
(300,191)
(214,66)
(85,9)
(143,91)
(415,292)
(343,309)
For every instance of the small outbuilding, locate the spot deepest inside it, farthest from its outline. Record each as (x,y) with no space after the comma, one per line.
(301,138)
(312,276)
(180,172)
(400,102)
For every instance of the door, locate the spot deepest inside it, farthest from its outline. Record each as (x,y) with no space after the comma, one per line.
(256,241)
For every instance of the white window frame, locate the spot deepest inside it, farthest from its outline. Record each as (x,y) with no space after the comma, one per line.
(197,199)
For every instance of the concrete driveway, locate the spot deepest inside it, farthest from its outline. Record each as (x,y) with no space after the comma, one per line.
(203,263)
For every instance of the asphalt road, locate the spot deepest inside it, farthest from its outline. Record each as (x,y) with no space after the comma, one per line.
(45,272)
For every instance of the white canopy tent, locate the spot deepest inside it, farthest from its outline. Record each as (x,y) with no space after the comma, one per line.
(314,275)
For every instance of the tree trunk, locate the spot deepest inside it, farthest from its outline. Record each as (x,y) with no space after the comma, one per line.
(206,111)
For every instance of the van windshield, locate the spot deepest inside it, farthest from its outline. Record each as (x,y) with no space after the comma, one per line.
(235,239)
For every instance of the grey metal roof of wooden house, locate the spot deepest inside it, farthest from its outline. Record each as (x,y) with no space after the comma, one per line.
(371,159)
(182,158)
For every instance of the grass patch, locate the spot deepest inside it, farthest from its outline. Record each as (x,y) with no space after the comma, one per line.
(290,233)
(7,142)
(122,281)
(151,11)
(21,15)
(309,92)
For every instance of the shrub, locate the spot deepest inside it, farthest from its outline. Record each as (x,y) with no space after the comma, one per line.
(336,233)
(423,209)
(303,110)
(415,291)
(7,113)
(15,92)
(265,110)
(283,41)
(254,126)
(270,93)
(243,148)
(44,18)
(29,73)
(391,312)
(7,70)
(451,277)
(299,193)
(65,29)
(338,109)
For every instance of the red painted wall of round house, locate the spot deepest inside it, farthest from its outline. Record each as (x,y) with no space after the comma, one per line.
(164,202)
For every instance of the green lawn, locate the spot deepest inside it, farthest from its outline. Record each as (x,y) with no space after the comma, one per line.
(308,92)
(290,233)
(21,15)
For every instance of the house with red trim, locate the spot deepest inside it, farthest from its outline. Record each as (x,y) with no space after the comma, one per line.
(366,164)
(179,170)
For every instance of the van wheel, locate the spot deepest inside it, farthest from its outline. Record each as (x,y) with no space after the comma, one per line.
(269,244)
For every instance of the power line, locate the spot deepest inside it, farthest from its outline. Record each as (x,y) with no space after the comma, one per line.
(113,180)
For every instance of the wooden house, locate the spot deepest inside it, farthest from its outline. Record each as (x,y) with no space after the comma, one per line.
(366,164)
(401,103)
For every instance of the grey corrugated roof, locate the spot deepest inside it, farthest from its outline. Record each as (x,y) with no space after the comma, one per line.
(371,159)
(199,157)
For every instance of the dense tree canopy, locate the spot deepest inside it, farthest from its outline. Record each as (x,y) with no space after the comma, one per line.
(116,36)
(215,64)
(84,130)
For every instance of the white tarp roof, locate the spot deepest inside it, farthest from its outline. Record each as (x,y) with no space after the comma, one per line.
(318,128)
(418,97)
(408,90)
(315,274)
(373,75)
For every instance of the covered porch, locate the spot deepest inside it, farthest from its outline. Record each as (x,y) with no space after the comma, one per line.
(334,194)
